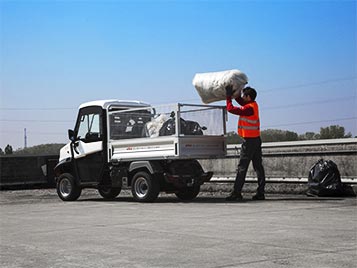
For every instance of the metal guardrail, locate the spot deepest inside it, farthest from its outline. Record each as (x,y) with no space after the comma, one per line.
(286,154)
(310,143)
(294,144)
(348,180)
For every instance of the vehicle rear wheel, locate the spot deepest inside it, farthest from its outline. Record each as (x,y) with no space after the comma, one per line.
(144,187)
(67,189)
(189,193)
(108,192)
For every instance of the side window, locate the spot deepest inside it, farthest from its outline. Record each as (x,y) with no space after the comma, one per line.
(129,125)
(89,129)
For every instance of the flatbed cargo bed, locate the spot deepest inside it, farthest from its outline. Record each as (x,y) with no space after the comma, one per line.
(169,148)
(205,140)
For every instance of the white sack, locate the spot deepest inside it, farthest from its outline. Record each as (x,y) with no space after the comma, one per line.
(211,86)
(153,127)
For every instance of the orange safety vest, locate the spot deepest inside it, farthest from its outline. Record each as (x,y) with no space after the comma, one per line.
(249,126)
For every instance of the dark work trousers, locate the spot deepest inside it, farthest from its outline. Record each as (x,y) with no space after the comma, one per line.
(251,150)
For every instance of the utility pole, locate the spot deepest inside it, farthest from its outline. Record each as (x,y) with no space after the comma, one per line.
(25,138)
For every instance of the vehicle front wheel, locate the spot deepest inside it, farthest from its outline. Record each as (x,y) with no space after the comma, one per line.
(108,192)
(144,187)
(67,189)
(189,193)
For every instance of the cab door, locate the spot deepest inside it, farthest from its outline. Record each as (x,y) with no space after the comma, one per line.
(89,156)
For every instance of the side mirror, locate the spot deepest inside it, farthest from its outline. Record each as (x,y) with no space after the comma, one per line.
(71,135)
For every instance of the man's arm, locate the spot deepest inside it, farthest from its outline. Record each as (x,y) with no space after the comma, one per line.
(245,111)
(240,100)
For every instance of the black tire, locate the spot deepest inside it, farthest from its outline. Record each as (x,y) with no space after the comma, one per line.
(144,187)
(109,192)
(189,193)
(67,189)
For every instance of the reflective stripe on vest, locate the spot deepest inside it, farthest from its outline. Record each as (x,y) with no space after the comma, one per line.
(249,126)
(249,121)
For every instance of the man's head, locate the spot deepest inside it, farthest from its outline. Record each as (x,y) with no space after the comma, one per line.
(249,91)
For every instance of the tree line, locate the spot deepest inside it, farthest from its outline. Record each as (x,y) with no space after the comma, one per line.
(51,148)
(268,135)
(276,135)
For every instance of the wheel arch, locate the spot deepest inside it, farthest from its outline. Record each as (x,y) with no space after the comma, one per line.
(151,167)
(64,166)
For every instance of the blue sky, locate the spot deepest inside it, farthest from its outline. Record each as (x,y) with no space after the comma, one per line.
(300,56)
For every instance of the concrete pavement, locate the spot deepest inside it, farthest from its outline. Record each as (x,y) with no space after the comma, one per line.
(38,230)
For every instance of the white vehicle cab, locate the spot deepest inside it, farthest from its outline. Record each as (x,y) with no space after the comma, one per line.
(130,144)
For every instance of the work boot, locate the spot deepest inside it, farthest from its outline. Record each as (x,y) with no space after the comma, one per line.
(258,196)
(234,196)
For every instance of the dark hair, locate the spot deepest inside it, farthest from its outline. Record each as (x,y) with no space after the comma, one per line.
(250,92)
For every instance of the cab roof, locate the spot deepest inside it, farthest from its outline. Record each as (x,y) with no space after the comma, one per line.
(106,103)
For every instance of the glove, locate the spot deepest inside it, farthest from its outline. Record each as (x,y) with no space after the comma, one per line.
(229,91)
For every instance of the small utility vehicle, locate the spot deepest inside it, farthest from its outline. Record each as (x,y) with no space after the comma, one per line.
(119,145)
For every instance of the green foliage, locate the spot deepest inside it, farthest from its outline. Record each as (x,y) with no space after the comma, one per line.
(43,149)
(268,135)
(8,149)
(310,136)
(233,138)
(275,135)
(334,132)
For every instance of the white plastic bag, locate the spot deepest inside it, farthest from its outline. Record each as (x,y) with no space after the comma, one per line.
(211,86)
(153,127)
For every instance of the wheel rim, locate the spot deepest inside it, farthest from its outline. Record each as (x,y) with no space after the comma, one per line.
(141,187)
(106,190)
(65,187)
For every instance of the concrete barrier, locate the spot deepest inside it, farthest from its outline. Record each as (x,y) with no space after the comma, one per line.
(27,171)
(286,163)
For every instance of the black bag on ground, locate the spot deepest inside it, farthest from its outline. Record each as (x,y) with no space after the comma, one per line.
(325,180)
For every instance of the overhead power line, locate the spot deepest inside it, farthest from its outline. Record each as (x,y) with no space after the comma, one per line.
(264,126)
(36,121)
(36,109)
(311,122)
(336,100)
(335,80)
(34,132)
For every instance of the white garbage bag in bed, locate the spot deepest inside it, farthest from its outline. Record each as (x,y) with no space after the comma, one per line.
(153,127)
(211,86)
